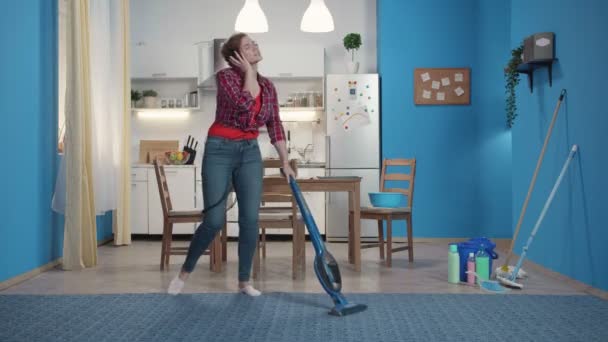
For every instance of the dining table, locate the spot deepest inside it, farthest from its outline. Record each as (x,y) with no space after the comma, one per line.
(349,184)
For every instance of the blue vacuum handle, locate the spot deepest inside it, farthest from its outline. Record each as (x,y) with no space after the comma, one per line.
(313,230)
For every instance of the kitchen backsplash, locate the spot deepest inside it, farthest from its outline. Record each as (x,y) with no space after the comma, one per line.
(307,138)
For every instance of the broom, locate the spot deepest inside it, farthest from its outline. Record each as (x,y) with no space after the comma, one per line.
(505,269)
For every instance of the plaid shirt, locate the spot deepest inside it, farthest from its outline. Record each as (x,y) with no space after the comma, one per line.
(234,105)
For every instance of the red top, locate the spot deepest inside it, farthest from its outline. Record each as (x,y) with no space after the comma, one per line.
(235,106)
(232,133)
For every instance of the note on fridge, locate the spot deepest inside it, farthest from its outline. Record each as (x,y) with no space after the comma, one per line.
(440,96)
(458,77)
(435,85)
(426,94)
(425,77)
(459,91)
(445,81)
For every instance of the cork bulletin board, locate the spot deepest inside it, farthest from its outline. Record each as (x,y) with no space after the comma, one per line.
(442,86)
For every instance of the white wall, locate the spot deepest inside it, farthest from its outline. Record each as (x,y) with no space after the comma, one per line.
(190,21)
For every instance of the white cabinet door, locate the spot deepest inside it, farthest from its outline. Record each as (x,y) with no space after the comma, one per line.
(156,60)
(315,200)
(181,189)
(295,60)
(139,207)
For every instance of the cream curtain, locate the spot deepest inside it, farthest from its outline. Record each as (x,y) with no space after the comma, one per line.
(80,245)
(122,215)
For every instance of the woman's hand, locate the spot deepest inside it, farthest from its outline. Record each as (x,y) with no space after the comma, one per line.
(288,172)
(241,62)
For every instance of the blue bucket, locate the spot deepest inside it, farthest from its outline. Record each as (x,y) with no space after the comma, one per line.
(472,246)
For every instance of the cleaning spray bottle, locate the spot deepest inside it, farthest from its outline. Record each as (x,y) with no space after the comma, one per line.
(482,264)
(471,268)
(453,265)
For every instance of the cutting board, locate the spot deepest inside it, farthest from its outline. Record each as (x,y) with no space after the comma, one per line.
(148,149)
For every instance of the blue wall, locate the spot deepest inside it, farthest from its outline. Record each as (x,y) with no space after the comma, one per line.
(493,52)
(28,237)
(31,235)
(573,237)
(463,152)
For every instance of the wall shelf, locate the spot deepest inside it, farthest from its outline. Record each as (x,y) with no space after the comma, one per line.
(530,67)
(165,109)
(301,109)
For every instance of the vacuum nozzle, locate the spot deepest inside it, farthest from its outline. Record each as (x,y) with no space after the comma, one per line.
(348,309)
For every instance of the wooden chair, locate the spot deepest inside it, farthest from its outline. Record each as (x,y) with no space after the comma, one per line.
(390,214)
(171,216)
(281,211)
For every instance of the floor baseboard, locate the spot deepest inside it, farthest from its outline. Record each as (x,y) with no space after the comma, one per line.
(28,275)
(31,274)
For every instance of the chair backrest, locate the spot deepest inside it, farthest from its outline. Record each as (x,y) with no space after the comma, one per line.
(163,188)
(268,197)
(408,191)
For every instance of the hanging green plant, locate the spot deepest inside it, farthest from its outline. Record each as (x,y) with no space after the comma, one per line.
(512,80)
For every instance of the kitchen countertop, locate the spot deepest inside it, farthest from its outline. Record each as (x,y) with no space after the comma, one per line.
(151,166)
(311,165)
(301,165)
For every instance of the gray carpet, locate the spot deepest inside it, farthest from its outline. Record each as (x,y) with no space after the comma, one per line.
(301,317)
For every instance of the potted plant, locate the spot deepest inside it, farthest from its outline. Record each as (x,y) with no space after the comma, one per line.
(150,98)
(512,80)
(352,42)
(135,96)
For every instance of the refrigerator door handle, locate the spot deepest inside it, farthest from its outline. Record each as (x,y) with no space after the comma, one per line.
(328,151)
(328,163)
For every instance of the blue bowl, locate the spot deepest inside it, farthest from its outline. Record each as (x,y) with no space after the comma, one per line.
(386,199)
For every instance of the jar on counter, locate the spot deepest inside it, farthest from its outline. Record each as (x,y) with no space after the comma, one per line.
(303,100)
(310,96)
(318,99)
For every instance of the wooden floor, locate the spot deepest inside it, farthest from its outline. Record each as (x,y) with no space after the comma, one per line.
(135,269)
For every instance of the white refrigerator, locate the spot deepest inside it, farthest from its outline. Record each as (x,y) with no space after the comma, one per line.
(353,145)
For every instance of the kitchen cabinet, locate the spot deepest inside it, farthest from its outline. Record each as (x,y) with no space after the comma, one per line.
(292,60)
(181,182)
(156,60)
(279,61)
(139,201)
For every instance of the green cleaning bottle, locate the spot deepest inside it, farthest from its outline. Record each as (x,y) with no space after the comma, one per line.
(453,265)
(482,264)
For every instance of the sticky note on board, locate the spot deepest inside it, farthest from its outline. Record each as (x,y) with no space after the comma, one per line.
(426,94)
(459,91)
(445,81)
(440,96)
(458,77)
(435,85)
(425,77)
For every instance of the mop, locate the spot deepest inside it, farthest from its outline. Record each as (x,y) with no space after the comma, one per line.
(506,270)
(489,285)
(510,280)
(326,267)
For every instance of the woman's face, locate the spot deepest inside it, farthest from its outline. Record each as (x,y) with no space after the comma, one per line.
(250,51)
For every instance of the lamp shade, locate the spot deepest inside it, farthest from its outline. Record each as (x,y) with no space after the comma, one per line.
(251,18)
(317,18)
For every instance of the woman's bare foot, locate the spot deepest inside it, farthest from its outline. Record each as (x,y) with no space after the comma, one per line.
(177,284)
(246,288)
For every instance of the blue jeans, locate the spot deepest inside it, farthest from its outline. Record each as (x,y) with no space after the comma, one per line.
(227,162)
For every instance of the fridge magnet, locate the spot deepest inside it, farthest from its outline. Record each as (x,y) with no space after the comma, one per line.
(353,119)
(443,86)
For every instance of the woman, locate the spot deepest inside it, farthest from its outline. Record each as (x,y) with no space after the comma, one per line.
(245,101)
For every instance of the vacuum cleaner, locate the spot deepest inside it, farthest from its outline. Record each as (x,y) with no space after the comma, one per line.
(326,267)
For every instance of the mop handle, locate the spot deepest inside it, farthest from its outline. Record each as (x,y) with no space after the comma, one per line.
(544,211)
(533,182)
